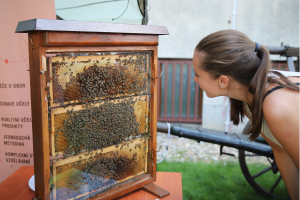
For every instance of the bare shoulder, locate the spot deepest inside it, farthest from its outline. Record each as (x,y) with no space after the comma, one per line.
(281,111)
(282,101)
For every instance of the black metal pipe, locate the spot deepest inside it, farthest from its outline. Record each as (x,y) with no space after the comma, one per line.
(215,137)
(284,51)
(225,140)
(276,50)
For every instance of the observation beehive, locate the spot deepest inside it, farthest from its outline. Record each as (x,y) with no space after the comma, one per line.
(93,97)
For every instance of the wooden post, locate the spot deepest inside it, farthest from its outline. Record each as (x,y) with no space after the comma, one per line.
(38,73)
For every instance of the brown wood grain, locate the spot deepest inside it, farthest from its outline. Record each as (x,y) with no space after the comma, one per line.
(63,39)
(38,80)
(50,93)
(156,190)
(153,114)
(99,49)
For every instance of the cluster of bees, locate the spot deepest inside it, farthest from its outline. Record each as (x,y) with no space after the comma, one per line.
(96,84)
(111,123)
(126,76)
(97,127)
(115,168)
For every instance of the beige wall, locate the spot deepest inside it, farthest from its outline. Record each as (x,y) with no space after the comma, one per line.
(268,22)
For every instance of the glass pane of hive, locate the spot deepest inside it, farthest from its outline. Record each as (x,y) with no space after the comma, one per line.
(99,108)
(78,78)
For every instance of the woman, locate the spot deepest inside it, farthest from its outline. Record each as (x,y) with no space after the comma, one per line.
(228,63)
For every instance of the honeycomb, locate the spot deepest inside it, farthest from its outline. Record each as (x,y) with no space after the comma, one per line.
(82,78)
(94,126)
(86,174)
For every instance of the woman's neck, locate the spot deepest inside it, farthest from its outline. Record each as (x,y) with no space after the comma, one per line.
(239,92)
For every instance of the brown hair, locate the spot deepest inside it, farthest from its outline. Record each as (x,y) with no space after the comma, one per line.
(232,53)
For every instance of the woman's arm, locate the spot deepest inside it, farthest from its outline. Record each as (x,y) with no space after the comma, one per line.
(281,111)
(287,169)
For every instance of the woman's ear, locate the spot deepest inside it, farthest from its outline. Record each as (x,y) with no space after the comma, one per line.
(223,81)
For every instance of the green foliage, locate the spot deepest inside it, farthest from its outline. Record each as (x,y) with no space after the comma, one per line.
(210,181)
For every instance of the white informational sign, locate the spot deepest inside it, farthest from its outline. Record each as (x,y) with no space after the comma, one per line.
(16,148)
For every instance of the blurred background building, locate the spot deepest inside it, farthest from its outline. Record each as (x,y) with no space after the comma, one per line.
(267,22)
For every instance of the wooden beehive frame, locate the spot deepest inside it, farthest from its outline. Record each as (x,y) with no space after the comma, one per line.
(59,110)
(98,60)
(84,156)
(59,36)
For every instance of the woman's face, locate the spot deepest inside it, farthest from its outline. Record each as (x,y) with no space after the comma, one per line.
(204,79)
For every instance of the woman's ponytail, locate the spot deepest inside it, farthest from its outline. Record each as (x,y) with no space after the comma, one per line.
(257,88)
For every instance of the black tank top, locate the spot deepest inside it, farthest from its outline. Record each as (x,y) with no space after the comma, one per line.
(275,88)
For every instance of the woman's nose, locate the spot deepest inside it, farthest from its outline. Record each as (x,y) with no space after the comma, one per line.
(196,79)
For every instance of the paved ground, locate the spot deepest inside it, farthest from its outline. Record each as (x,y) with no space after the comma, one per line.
(182,149)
